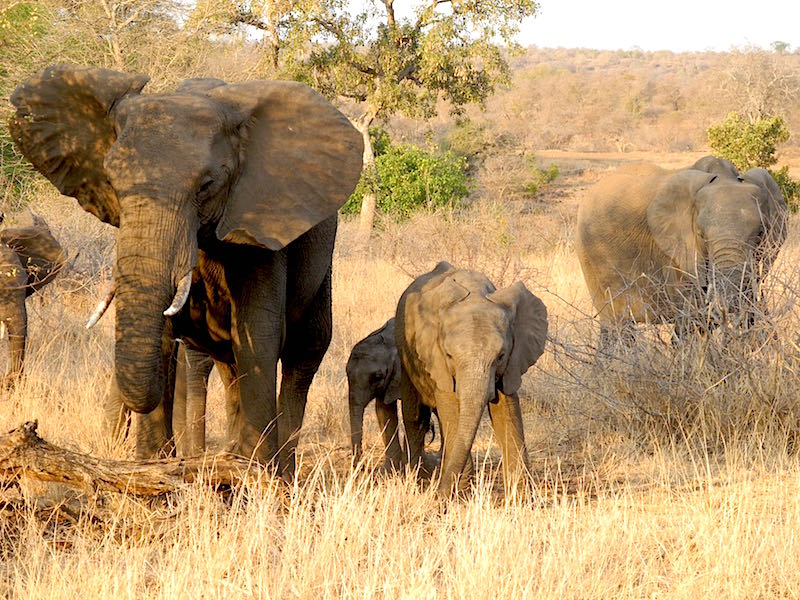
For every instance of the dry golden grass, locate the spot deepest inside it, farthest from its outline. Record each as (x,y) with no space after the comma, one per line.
(625,504)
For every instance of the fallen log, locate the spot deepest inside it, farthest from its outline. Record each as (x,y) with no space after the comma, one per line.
(24,453)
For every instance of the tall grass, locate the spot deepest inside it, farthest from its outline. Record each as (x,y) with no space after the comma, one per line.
(663,475)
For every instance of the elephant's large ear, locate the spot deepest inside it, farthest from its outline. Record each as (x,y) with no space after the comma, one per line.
(529,328)
(301,160)
(64,127)
(774,211)
(672,218)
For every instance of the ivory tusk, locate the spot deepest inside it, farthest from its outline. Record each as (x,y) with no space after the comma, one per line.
(2,329)
(101,308)
(181,295)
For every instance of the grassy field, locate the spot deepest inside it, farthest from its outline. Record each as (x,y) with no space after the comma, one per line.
(665,474)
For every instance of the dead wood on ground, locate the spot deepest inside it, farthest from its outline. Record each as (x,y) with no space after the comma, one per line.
(24,453)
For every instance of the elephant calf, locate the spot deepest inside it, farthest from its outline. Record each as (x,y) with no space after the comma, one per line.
(373,371)
(30,258)
(463,346)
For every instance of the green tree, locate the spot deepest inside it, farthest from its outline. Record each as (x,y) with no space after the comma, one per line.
(388,62)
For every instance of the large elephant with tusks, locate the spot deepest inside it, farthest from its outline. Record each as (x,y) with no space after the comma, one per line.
(225,192)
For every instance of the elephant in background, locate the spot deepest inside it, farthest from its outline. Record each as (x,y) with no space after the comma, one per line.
(463,346)
(678,246)
(373,372)
(30,258)
(226,191)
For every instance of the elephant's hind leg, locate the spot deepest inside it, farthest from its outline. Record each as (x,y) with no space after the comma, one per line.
(307,340)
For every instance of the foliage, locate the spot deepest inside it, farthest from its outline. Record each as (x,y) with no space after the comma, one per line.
(753,144)
(22,25)
(380,140)
(539,178)
(790,188)
(411,179)
(748,144)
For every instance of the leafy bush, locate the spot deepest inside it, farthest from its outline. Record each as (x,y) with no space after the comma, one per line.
(749,145)
(746,144)
(790,188)
(538,177)
(412,178)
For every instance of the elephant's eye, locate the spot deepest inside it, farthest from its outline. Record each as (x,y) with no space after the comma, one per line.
(205,187)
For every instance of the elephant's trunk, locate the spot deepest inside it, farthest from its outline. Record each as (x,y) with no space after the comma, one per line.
(732,284)
(155,249)
(474,388)
(357,400)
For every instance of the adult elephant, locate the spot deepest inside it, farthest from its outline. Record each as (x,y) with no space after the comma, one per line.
(30,258)
(464,346)
(679,246)
(228,189)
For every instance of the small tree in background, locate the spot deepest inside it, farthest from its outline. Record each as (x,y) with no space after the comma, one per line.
(749,144)
(390,58)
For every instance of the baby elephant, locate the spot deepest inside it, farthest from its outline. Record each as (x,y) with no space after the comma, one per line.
(30,258)
(464,346)
(373,371)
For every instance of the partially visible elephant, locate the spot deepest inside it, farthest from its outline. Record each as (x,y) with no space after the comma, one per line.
(373,372)
(688,247)
(464,346)
(30,258)
(227,191)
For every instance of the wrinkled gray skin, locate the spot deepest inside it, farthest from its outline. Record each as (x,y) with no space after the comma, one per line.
(689,247)
(464,346)
(30,258)
(373,372)
(237,185)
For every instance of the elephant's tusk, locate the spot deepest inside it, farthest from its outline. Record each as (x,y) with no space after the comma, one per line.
(102,306)
(181,296)
(2,327)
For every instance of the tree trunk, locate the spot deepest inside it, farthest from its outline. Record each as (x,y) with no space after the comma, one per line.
(370,172)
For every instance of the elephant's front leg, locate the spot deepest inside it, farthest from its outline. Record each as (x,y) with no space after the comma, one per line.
(15,322)
(257,287)
(307,340)
(506,416)
(390,429)
(416,420)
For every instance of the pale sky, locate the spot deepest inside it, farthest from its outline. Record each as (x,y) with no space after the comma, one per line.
(677,25)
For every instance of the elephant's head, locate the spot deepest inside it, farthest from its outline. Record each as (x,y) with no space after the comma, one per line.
(720,227)
(373,369)
(256,163)
(475,340)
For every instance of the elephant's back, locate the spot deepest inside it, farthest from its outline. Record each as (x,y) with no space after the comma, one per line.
(612,238)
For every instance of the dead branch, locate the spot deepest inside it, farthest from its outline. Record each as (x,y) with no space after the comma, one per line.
(24,453)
